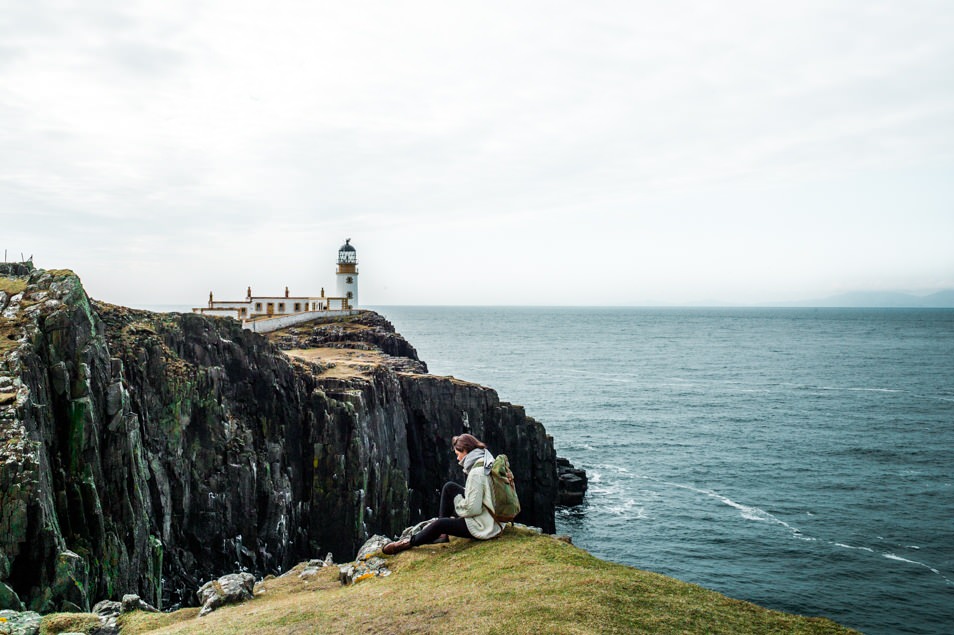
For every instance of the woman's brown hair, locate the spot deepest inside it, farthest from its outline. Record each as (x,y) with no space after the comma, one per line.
(466,443)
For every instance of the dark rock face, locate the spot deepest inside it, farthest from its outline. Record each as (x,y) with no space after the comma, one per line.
(572,484)
(148,453)
(441,407)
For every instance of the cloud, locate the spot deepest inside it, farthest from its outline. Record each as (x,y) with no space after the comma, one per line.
(695,140)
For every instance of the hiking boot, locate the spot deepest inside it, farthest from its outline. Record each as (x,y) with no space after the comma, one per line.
(396,547)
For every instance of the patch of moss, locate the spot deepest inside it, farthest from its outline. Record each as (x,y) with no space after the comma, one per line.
(69,623)
(61,273)
(12,286)
(142,622)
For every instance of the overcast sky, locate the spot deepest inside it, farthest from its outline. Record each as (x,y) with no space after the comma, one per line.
(602,153)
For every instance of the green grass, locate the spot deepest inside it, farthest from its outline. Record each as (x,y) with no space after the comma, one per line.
(69,623)
(12,286)
(518,583)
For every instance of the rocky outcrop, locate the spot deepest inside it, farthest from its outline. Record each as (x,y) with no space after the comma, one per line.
(148,453)
(368,331)
(572,483)
(233,588)
(15,623)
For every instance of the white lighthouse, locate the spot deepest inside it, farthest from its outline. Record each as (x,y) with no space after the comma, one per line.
(347,273)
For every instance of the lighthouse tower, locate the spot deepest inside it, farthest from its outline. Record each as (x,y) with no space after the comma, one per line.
(347,273)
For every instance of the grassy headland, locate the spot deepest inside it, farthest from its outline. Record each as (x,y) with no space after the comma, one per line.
(519,583)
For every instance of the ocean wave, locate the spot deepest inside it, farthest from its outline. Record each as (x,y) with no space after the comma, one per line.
(844,546)
(627,508)
(747,512)
(891,556)
(618,469)
(830,388)
(750,512)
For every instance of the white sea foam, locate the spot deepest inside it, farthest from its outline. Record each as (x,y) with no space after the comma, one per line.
(857,389)
(891,556)
(748,512)
(628,509)
(615,468)
(844,546)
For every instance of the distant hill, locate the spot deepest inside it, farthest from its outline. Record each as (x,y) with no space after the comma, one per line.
(881,299)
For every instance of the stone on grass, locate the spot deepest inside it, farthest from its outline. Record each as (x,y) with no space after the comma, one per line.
(372,545)
(312,568)
(371,567)
(108,608)
(108,612)
(229,589)
(132,602)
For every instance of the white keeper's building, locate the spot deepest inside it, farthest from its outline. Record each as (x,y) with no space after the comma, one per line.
(267,313)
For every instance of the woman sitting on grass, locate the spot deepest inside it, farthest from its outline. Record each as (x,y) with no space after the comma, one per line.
(465,511)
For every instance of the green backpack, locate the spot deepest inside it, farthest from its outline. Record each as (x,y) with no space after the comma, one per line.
(502,490)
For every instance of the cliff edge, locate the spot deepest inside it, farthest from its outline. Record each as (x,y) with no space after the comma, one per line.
(147,453)
(521,582)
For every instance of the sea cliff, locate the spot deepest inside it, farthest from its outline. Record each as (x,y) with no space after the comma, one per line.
(148,453)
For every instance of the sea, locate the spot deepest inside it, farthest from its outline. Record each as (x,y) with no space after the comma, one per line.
(800,459)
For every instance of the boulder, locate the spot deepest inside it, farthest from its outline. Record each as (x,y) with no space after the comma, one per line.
(132,602)
(372,545)
(108,612)
(70,583)
(368,564)
(229,589)
(15,623)
(108,608)
(370,567)
(312,568)
(9,599)
(572,483)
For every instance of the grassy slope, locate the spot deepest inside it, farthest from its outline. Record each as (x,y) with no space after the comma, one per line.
(518,583)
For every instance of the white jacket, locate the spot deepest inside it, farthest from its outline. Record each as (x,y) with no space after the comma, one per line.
(475,504)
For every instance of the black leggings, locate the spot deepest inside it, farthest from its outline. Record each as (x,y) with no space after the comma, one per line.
(448,522)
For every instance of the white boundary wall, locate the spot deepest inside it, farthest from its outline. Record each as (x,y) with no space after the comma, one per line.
(267,325)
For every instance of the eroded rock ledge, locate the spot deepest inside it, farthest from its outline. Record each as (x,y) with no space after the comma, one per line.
(148,453)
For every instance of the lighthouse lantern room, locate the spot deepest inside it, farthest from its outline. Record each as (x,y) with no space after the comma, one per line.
(347,273)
